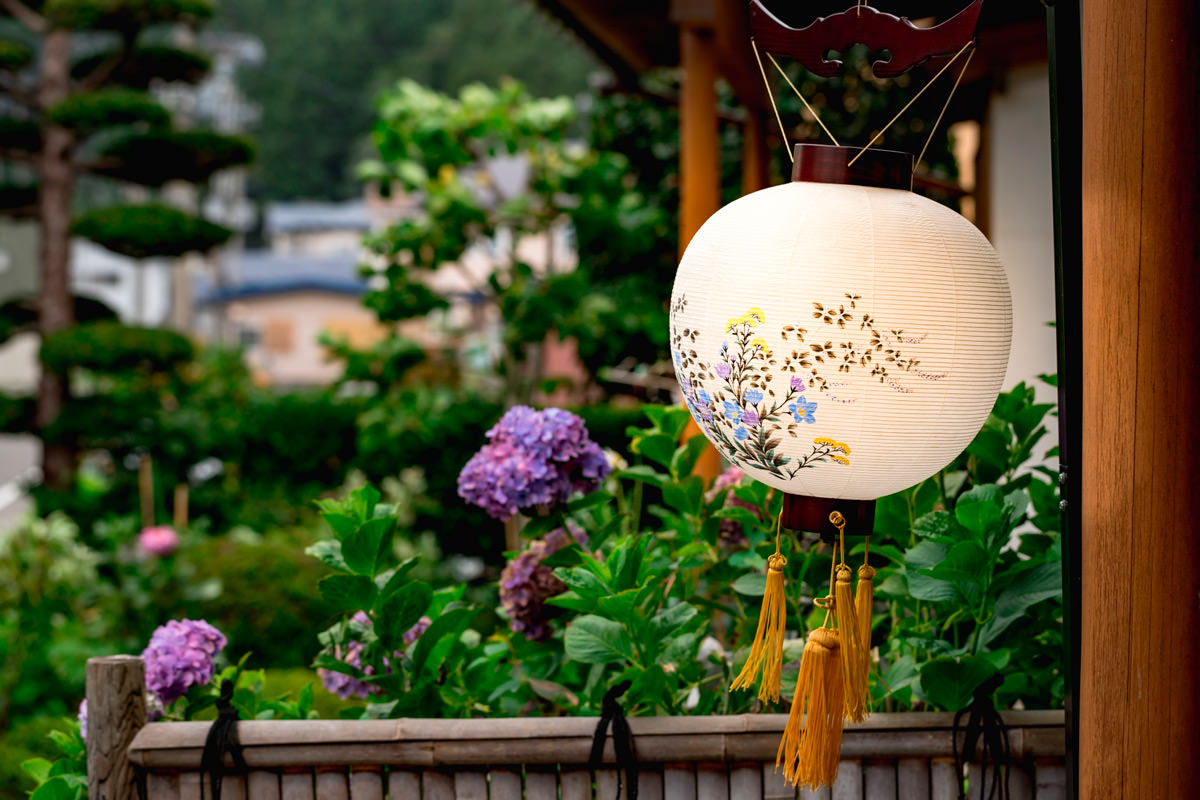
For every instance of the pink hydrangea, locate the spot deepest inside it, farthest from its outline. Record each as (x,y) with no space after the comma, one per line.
(526,583)
(159,540)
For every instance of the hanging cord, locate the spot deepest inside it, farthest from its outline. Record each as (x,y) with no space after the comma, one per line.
(942,113)
(811,110)
(908,105)
(983,722)
(771,97)
(611,711)
(222,738)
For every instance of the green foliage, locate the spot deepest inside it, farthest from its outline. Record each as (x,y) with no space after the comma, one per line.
(328,61)
(66,777)
(147,231)
(146,64)
(14,56)
(20,134)
(88,112)
(112,347)
(156,157)
(19,314)
(27,740)
(124,15)
(961,576)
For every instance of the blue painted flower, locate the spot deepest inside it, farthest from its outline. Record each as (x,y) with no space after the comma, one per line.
(678,359)
(750,418)
(741,434)
(803,410)
(704,398)
(754,396)
(732,411)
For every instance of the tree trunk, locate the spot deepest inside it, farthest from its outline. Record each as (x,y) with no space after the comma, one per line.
(55,308)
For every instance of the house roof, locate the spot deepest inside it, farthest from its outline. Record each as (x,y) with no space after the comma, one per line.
(283,218)
(262,273)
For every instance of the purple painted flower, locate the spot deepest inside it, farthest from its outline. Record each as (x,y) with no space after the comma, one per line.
(180,655)
(750,418)
(347,686)
(686,384)
(754,396)
(158,540)
(83,718)
(803,410)
(534,458)
(526,583)
(723,370)
(797,383)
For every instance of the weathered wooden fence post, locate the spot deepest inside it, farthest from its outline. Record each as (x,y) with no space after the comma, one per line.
(116,698)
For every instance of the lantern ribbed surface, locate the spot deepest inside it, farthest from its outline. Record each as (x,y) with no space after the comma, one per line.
(840,341)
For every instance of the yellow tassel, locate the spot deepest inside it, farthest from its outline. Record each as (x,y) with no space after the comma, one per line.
(812,740)
(864,609)
(766,653)
(853,678)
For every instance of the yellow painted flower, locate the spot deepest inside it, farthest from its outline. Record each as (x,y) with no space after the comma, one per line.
(760,342)
(825,440)
(839,459)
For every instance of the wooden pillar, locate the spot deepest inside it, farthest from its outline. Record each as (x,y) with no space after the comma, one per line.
(699,154)
(116,698)
(1139,694)
(754,152)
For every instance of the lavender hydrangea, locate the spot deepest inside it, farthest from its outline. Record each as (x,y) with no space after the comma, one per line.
(180,655)
(83,718)
(347,686)
(526,583)
(533,459)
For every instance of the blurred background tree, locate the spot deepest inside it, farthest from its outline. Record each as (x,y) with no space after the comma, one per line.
(74,79)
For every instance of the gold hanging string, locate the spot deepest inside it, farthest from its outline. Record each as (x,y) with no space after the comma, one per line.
(839,522)
(811,110)
(778,531)
(771,97)
(907,105)
(942,113)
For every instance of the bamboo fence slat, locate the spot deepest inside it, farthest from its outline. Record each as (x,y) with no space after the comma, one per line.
(712,781)
(879,781)
(541,784)
(774,785)
(505,784)
(470,785)
(912,778)
(332,785)
(436,785)
(298,786)
(260,785)
(576,784)
(679,781)
(849,782)
(943,780)
(745,780)
(164,786)
(365,784)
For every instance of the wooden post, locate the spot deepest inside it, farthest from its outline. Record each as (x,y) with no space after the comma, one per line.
(699,152)
(181,506)
(116,698)
(146,489)
(1139,728)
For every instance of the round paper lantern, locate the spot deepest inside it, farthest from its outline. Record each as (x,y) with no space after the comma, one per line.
(839,336)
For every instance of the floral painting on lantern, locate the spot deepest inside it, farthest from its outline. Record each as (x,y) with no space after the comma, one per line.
(738,397)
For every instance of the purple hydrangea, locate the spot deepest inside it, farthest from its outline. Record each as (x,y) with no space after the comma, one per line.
(526,583)
(180,655)
(347,686)
(533,459)
(83,718)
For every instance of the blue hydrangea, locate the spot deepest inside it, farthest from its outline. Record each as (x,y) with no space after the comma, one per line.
(533,459)
(180,655)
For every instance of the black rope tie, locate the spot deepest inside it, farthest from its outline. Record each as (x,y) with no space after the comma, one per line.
(222,739)
(986,727)
(611,711)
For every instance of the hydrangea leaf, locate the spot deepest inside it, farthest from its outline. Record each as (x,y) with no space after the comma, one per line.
(348,592)
(595,640)
(401,612)
(368,548)
(449,625)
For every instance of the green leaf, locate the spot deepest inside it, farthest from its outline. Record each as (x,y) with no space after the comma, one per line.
(950,683)
(657,447)
(752,584)
(145,231)
(401,612)
(397,579)
(924,556)
(37,768)
(449,624)
(981,510)
(554,692)
(686,496)
(990,446)
(58,788)
(645,474)
(569,556)
(670,621)
(620,606)
(362,501)
(686,456)
(571,601)
(342,524)
(348,592)
(1043,582)
(367,549)
(329,553)
(595,640)
(585,583)
(936,523)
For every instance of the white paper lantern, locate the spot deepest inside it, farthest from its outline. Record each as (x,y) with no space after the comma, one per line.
(840,341)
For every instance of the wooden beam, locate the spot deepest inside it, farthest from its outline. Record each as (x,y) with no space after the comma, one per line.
(1139,697)
(699,153)
(755,156)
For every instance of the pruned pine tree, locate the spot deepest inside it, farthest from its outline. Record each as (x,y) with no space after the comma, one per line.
(74,81)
